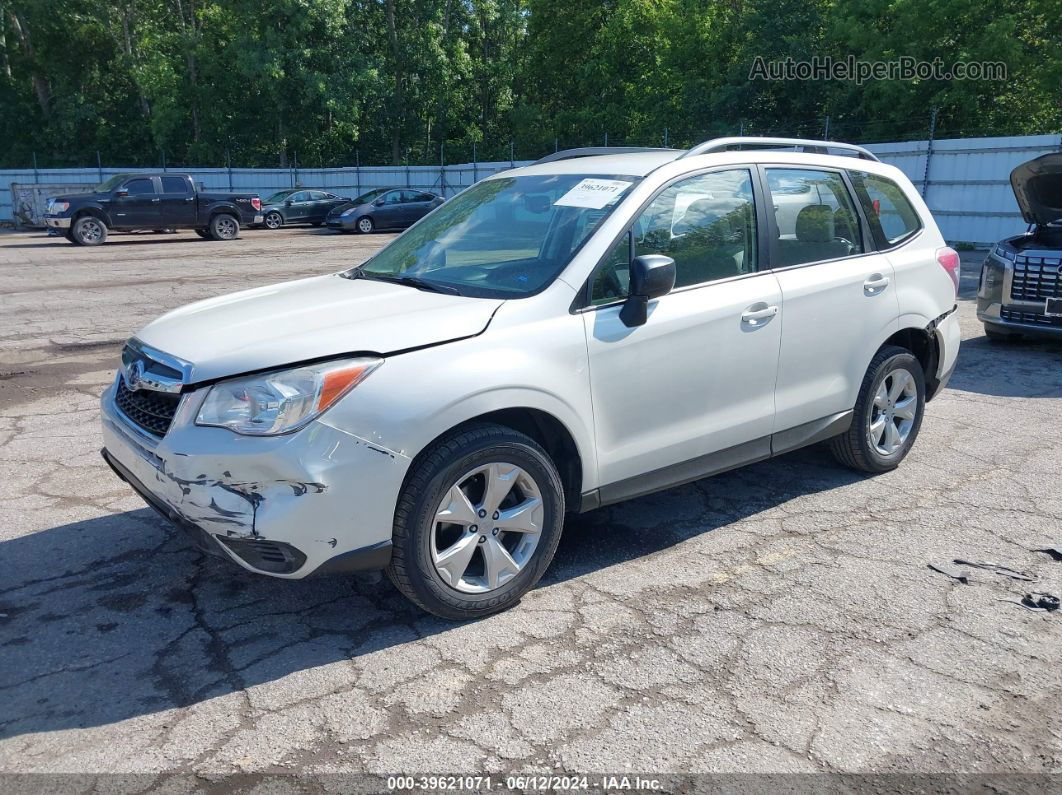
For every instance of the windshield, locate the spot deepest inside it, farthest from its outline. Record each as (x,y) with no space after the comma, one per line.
(365,198)
(279,196)
(507,237)
(110,184)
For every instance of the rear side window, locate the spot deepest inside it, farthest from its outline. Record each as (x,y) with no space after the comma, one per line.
(891,216)
(174,185)
(136,187)
(815,216)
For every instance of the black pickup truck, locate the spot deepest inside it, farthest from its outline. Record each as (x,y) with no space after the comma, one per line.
(150,201)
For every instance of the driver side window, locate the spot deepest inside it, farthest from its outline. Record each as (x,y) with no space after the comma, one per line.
(706,223)
(816,217)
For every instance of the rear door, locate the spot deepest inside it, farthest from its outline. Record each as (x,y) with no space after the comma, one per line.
(420,204)
(698,378)
(320,204)
(177,201)
(840,300)
(136,203)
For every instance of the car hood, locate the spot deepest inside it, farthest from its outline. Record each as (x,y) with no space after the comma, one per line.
(339,209)
(1038,188)
(309,319)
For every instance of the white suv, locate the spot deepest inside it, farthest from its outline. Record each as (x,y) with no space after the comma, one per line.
(563,336)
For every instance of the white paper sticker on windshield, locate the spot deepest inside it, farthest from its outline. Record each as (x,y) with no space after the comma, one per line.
(593,193)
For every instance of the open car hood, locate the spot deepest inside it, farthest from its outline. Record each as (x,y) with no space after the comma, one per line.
(312,318)
(1038,188)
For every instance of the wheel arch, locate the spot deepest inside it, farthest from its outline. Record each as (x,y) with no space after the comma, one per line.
(96,212)
(924,344)
(542,426)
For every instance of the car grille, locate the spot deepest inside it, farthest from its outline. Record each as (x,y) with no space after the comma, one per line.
(1036,278)
(148,410)
(1030,318)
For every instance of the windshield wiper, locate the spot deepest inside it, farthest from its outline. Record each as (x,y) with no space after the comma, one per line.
(414,281)
(409,281)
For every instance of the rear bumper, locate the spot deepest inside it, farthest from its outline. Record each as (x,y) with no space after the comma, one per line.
(56,222)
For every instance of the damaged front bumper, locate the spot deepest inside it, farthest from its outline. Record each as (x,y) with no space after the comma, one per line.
(317,501)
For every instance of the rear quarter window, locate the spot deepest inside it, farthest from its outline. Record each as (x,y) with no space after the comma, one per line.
(892,217)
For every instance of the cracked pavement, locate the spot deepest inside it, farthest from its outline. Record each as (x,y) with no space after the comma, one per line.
(777,618)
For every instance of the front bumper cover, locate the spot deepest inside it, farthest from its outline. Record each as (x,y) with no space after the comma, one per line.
(288,506)
(56,222)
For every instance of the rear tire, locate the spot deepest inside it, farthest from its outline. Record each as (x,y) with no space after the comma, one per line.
(224,226)
(893,394)
(88,230)
(1001,336)
(365,225)
(501,562)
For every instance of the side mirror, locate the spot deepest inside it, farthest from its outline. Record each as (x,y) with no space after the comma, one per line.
(287,203)
(378,203)
(652,275)
(120,194)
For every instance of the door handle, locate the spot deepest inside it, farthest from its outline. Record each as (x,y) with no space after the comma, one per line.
(758,314)
(156,199)
(189,198)
(875,284)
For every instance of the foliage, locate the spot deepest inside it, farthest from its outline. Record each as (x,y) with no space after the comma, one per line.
(329,82)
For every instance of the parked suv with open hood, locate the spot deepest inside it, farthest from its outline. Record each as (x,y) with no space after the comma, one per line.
(563,336)
(1021,280)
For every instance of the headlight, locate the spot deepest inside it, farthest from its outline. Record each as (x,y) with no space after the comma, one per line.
(57,207)
(348,212)
(283,401)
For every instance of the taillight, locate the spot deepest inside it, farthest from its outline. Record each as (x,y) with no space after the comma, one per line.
(256,203)
(949,261)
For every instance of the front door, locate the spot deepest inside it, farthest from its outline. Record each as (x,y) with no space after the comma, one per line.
(389,213)
(698,378)
(840,300)
(136,204)
(298,207)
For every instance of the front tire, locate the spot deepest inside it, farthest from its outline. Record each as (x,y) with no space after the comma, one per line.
(202,233)
(477,523)
(888,413)
(224,226)
(88,230)
(365,225)
(273,220)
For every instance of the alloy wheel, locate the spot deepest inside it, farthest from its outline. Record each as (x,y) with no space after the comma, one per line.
(365,225)
(893,414)
(91,231)
(273,221)
(226,228)
(487,527)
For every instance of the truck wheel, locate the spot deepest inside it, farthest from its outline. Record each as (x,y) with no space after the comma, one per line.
(202,233)
(88,230)
(365,225)
(224,226)
(273,220)
(888,413)
(477,522)
(68,233)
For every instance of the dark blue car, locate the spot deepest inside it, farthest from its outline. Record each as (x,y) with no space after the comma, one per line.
(382,208)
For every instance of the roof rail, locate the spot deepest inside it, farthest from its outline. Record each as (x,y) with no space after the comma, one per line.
(592,151)
(808,145)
